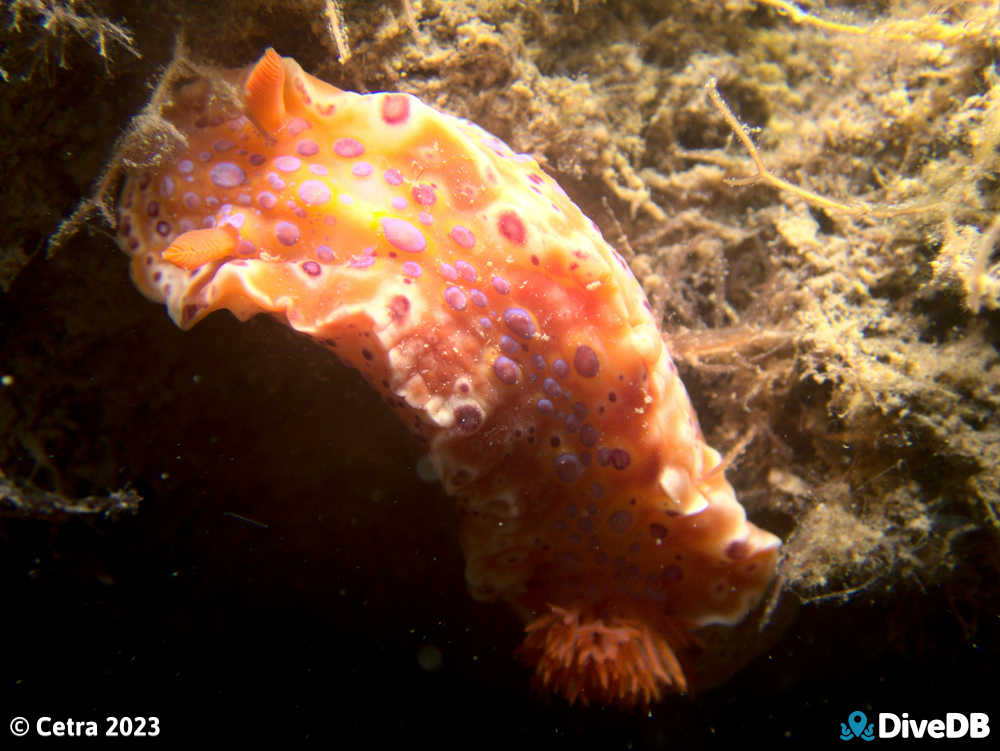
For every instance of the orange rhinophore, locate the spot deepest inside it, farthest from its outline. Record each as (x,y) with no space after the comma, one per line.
(467,287)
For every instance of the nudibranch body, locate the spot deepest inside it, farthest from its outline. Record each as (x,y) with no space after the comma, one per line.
(488,310)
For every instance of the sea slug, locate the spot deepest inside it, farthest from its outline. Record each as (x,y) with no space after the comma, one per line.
(490,313)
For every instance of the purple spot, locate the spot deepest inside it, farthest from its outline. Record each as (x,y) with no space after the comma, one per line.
(468,417)
(223,144)
(572,423)
(509,345)
(604,456)
(276,182)
(501,285)
(424,194)
(506,370)
(267,200)
(463,236)
(620,522)
(235,220)
(212,202)
(560,368)
(163,228)
(348,147)
(257,159)
(318,169)
(518,321)
(311,268)
(448,272)
(313,192)
(393,177)
(568,467)
(585,361)
(545,407)
(167,186)
(588,435)
(153,208)
(324,253)
(478,298)
(539,362)
(620,458)
(362,169)
(243,199)
(245,248)
(412,268)
(362,261)
(307,148)
(287,163)
(403,235)
(205,156)
(455,298)
(551,388)
(466,271)
(227,175)
(399,203)
(672,574)
(738,549)
(185,166)
(485,323)
(287,233)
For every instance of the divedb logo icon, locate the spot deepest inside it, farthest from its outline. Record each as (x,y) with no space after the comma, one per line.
(890,725)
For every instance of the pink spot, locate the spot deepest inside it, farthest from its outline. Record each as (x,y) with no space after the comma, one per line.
(511,227)
(403,235)
(455,298)
(267,200)
(424,218)
(361,262)
(535,178)
(276,182)
(311,268)
(191,200)
(424,194)
(466,271)
(501,285)
(313,192)
(362,169)
(399,203)
(185,166)
(412,268)
(393,177)
(448,272)
(296,125)
(463,236)
(287,233)
(324,253)
(223,144)
(395,108)
(348,147)
(318,169)
(345,199)
(287,163)
(307,147)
